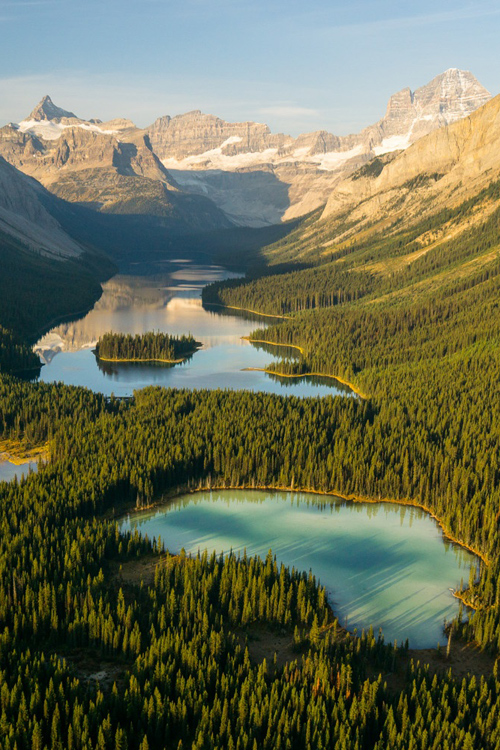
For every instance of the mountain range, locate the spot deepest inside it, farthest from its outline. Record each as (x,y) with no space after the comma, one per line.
(108,169)
(256,176)
(77,190)
(196,172)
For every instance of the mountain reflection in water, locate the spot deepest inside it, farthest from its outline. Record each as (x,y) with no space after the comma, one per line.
(171,303)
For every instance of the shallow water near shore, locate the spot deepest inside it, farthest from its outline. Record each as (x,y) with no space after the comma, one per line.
(382,564)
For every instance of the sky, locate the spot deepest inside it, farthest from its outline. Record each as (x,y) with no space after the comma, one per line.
(298,66)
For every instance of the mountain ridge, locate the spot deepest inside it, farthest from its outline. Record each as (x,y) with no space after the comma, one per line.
(215,152)
(112,171)
(413,220)
(24,216)
(240,172)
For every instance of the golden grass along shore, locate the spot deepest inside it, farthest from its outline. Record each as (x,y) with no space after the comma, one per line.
(247,309)
(272,343)
(18,453)
(138,359)
(354,498)
(306,374)
(353,387)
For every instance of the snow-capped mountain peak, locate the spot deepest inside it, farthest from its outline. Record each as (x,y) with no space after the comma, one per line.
(47,110)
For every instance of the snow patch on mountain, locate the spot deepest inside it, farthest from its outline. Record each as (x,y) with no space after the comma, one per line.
(394,143)
(332,160)
(49,130)
(214,159)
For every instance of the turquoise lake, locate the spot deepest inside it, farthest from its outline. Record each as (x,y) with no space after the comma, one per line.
(381,564)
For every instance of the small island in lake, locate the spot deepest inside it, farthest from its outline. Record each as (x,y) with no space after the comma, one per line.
(145,347)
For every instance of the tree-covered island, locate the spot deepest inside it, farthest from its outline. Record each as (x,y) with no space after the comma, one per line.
(145,347)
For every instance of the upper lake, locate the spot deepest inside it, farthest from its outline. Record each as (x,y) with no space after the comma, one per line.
(171,303)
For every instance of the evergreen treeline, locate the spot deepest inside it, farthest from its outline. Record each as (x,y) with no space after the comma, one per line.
(368,268)
(146,346)
(15,355)
(179,673)
(332,284)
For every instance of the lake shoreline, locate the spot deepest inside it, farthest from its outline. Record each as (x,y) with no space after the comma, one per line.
(272,343)
(15,453)
(165,361)
(182,496)
(354,498)
(197,345)
(247,309)
(350,385)
(305,375)
(134,305)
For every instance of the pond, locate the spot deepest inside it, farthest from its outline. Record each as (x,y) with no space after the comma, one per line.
(171,303)
(9,470)
(382,564)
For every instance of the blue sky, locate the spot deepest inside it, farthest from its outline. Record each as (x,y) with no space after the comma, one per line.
(298,66)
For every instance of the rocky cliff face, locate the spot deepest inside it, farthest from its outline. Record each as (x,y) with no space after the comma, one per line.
(109,167)
(24,216)
(195,134)
(276,177)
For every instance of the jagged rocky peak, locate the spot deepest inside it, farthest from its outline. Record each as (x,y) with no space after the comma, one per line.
(455,92)
(447,98)
(47,110)
(451,163)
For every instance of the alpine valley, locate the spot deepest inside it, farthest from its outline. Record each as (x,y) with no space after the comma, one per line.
(366,266)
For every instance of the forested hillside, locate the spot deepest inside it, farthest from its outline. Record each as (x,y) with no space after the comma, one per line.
(91,657)
(455,247)
(415,328)
(171,654)
(36,292)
